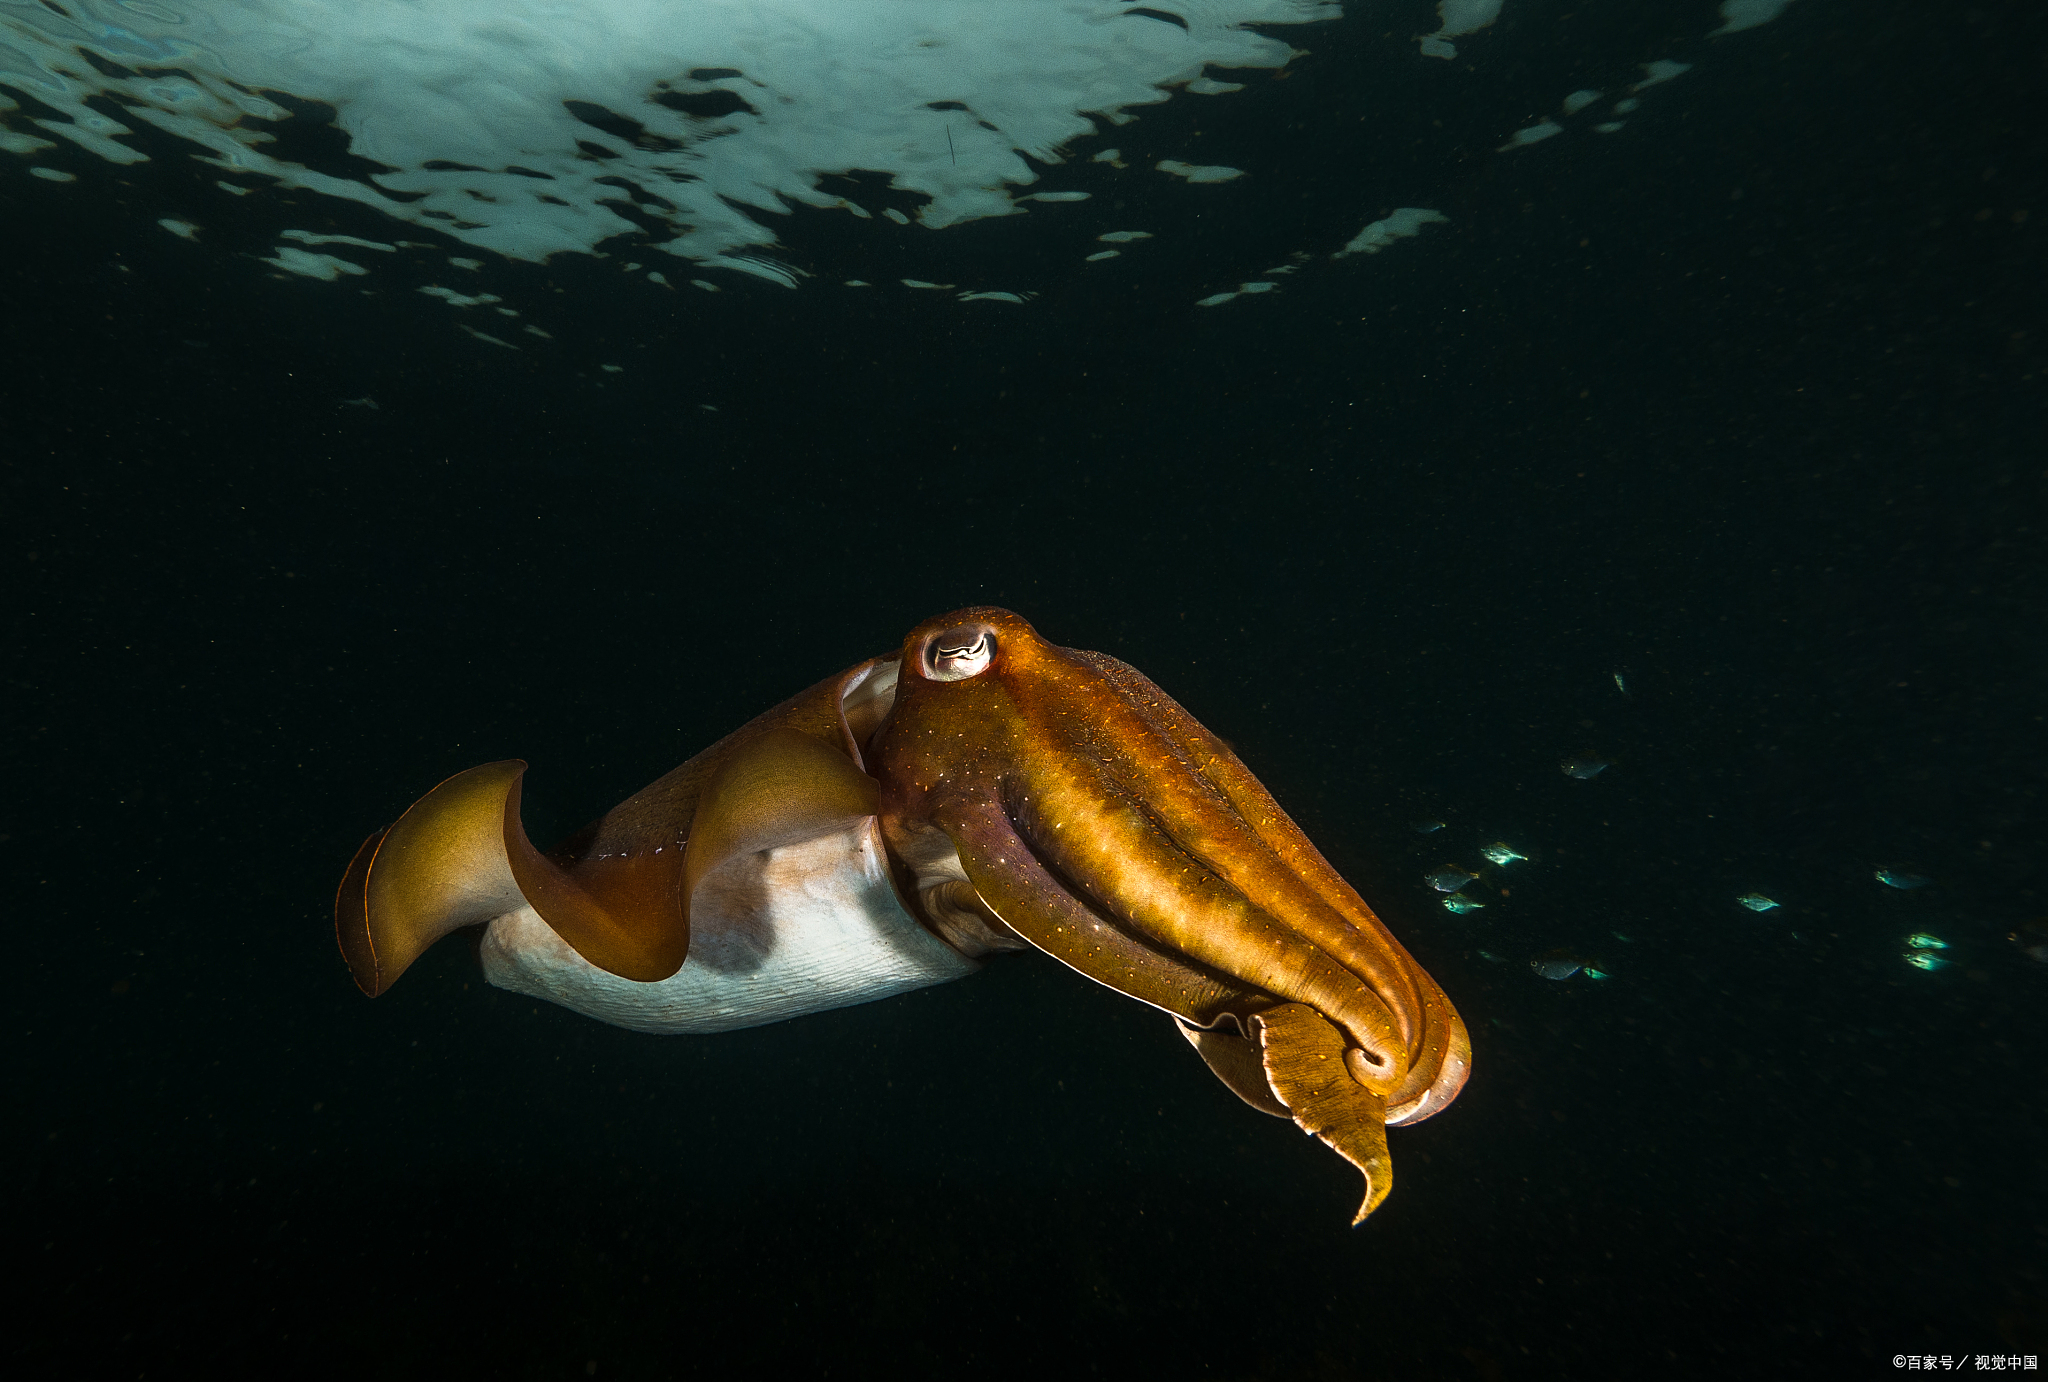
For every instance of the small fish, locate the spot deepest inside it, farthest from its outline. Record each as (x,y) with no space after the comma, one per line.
(1498,853)
(1461,904)
(1489,955)
(1900,880)
(1592,973)
(1920,940)
(1756,902)
(1557,966)
(1621,683)
(1448,880)
(1618,936)
(2032,939)
(1428,827)
(1583,767)
(364,402)
(1925,959)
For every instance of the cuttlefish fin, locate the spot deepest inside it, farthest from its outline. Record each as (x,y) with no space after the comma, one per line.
(780,787)
(1303,1054)
(442,866)
(460,856)
(621,909)
(1238,1062)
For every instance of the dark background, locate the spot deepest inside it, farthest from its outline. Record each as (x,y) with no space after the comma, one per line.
(1744,402)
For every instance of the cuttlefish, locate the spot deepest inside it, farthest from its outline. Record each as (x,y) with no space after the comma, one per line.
(979,791)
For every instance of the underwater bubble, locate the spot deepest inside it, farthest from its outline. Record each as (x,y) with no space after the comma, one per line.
(1461,904)
(1584,766)
(1498,853)
(1448,880)
(1920,940)
(1893,879)
(1756,902)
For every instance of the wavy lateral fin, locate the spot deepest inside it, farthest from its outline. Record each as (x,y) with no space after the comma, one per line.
(441,867)
(622,911)
(780,787)
(460,856)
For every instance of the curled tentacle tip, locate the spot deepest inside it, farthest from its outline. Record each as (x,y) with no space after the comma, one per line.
(1378,1182)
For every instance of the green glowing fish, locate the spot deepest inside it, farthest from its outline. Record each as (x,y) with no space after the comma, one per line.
(1756,902)
(1461,904)
(1583,767)
(1892,879)
(1558,967)
(1920,940)
(1448,880)
(1498,853)
(1925,959)
(1592,973)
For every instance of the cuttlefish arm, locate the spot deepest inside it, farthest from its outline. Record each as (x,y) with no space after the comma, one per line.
(1099,822)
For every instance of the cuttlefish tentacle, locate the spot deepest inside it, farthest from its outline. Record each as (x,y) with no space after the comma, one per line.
(1193,783)
(1236,1059)
(1076,819)
(1101,807)
(1305,1065)
(1013,884)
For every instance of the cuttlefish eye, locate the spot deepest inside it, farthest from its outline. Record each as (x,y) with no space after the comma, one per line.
(958,654)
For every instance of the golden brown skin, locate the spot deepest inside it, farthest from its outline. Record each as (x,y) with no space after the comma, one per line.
(1102,824)
(617,890)
(1093,817)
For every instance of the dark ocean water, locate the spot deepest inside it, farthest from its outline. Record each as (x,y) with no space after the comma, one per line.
(1747,409)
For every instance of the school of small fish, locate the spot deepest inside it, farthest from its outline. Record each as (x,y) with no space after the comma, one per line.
(1923,950)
